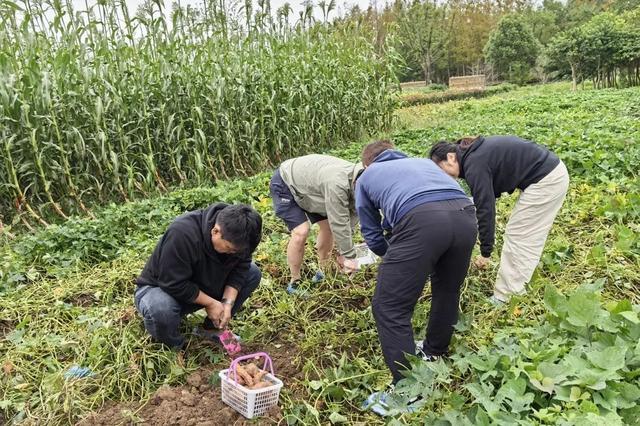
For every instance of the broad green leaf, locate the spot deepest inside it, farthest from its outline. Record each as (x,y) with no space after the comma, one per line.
(575,393)
(621,306)
(546,384)
(336,418)
(315,384)
(482,419)
(335,392)
(607,399)
(611,358)
(514,392)
(589,407)
(583,308)
(483,394)
(555,302)
(554,371)
(487,363)
(630,316)
(629,391)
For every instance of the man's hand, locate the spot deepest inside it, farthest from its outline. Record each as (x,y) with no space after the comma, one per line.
(481,262)
(349,266)
(215,312)
(226,317)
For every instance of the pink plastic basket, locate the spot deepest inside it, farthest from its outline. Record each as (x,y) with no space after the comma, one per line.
(249,402)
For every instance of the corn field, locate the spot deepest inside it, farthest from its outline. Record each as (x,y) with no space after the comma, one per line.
(107,105)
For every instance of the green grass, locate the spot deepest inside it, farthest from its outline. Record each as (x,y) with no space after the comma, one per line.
(68,292)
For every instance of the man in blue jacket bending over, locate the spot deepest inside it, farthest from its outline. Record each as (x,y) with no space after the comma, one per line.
(203,261)
(434,229)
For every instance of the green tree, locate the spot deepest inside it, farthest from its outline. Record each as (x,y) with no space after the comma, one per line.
(424,32)
(605,49)
(631,46)
(602,49)
(564,49)
(512,49)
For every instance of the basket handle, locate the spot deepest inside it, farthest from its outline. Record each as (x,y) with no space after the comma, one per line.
(267,362)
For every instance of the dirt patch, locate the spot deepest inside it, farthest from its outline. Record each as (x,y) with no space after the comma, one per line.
(196,403)
(6,327)
(127,315)
(82,300)
(357,302)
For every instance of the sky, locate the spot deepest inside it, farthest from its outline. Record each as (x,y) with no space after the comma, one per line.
(296,5)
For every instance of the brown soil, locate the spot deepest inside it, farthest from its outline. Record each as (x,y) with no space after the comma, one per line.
(82,300)
(197,402)
(6,327)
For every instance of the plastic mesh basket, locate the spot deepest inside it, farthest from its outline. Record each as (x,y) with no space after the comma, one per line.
(249,402)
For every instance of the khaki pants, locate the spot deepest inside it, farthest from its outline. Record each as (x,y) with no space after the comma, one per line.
(527,231)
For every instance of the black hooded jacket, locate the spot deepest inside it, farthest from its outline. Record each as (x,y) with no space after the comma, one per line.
(492,165)
(184,261)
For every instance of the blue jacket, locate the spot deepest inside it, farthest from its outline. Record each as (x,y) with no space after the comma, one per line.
(396,184)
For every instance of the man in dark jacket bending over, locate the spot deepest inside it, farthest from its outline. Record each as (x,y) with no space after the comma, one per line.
(203,260)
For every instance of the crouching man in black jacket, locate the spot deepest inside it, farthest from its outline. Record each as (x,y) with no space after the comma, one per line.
(203,260)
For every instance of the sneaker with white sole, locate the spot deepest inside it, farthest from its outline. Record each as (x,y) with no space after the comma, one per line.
(424,356)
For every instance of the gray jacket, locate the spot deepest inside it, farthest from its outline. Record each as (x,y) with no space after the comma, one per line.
(324,184)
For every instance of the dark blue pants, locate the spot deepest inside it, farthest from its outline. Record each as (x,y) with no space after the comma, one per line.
(162,313)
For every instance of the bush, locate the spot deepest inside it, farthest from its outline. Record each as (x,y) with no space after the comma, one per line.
(417,98)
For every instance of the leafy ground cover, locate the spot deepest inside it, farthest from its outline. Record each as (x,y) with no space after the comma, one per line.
(567,353)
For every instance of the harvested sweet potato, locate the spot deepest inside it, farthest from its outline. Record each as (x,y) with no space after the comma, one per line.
(260,385)
(248,379)
(257,378)
(252,369)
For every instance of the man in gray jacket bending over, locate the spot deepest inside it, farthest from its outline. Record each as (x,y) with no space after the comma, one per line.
(317,189)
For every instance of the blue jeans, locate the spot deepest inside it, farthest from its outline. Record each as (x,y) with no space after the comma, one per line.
(162,313)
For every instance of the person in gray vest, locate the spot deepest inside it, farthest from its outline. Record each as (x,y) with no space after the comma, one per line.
(316,189)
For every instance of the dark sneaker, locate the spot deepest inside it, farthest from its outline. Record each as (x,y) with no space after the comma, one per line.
(424,356)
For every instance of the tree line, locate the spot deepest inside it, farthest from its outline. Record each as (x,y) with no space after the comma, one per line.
(515,40)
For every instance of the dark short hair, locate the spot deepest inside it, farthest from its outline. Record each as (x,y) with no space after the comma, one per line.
(440,150)
(372,150)
(241,225)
